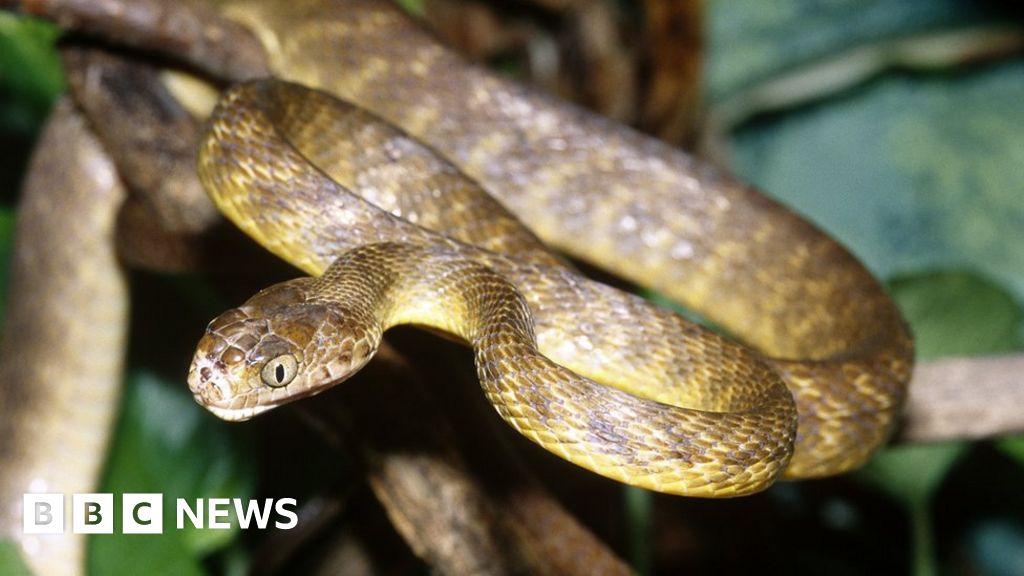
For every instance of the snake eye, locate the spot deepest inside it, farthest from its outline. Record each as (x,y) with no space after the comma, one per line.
(279,371)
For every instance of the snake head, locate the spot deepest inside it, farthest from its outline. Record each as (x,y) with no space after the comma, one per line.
(277,347)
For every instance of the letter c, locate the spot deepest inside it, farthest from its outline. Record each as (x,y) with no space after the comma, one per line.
(138,519)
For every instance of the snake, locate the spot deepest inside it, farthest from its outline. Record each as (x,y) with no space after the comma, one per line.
(811,315)
(590,188)
(372,176)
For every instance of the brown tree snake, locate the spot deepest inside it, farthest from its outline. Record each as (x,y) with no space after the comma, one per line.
(613,383)
(700,415)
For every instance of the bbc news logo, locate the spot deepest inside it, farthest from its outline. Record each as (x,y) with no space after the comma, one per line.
(144,513)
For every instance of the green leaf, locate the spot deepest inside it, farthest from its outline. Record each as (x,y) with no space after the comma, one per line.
(11,562)
(752,40)
(957,313)
(1014,447)
(913,472)
(914,172)
(30,71)
(167,444)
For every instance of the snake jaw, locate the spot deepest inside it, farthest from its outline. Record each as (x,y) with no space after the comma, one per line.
(237,414)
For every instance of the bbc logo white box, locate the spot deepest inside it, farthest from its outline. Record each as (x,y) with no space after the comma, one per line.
(42,513)
(142,513)
(92,513)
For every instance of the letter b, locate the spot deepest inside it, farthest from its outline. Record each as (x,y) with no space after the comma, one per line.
(92,513)
(42,513)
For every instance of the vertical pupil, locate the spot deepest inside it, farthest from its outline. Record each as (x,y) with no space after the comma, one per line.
(279,372)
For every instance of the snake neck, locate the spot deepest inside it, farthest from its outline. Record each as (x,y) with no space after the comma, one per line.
(391,284)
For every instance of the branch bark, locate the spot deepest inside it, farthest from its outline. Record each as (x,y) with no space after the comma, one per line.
(186,31)
(965,398)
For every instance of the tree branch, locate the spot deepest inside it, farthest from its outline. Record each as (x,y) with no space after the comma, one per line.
(965,398)
(191,33)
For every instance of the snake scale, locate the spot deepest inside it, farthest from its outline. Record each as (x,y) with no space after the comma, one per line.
(601,377)
(819,323)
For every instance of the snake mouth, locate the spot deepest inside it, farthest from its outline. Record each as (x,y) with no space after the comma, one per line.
(235,409)
(232,414)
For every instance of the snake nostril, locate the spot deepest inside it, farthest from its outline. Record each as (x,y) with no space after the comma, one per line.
(211,393)
(205,374)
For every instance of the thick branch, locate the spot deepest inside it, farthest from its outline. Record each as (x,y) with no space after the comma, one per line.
(459,518)
(965,398)
(190,33)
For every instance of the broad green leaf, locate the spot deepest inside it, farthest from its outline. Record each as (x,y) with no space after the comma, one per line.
(11,563)
(957,313)
(912,472)
(751,40)
(30,72)
(167,444)
(915,173)
(164,554)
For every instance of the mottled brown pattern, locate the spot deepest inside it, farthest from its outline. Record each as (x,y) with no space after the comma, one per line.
(339,319)
(595,190)
(595,375)
(626,202)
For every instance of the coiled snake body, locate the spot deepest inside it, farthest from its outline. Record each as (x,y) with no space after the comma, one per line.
(609,381)
(599,376)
